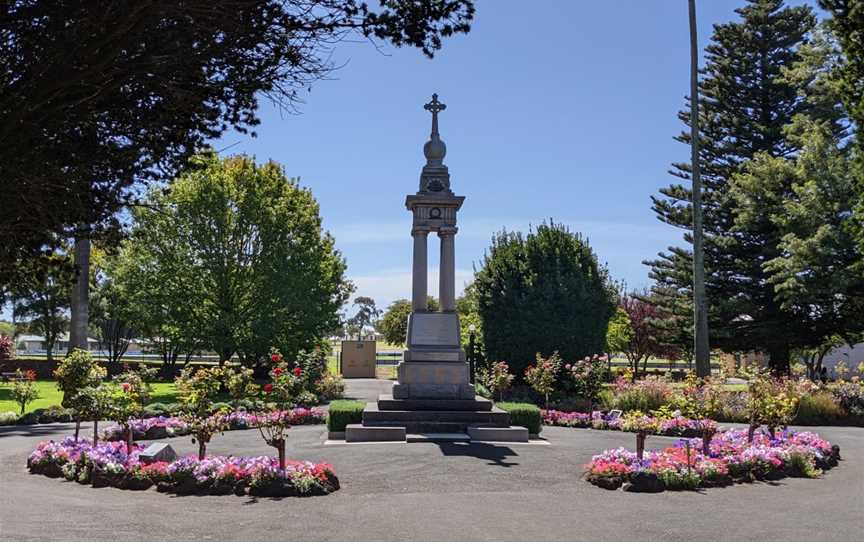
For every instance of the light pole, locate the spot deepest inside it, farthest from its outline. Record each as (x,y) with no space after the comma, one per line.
(472,329)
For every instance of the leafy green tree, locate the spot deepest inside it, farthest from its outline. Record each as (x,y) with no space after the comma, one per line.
(7,329)
(469,314)
(540,293)
(197,390)
(808,201)
(846,22)
(24,390)
(43,300)
(366,316)
(109,311)
(99,97)
(77,371)
(394,323)
(745,104)
(240,248)
(619,333)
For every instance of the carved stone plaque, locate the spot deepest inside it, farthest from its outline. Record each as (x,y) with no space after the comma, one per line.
(434,329)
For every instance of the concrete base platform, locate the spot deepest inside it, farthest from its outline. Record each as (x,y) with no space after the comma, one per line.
(477,404)
(356,432)
(438,437)
(514,433)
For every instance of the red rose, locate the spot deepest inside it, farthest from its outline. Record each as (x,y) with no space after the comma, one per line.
(268,388)
(297,371)
(277,371)
(126,386)
(275,358)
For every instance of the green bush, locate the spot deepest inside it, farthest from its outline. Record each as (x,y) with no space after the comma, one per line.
(8,418)
(540,293)
(525,415)
(56,413)
(818,409)
(482,390)
(157,407)
(342,413)
(222,406)
(31,418)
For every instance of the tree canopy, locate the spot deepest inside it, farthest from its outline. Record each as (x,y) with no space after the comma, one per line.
(234,260)
(540,293)
(98,96)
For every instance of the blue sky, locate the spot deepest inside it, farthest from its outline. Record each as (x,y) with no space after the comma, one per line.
(568,114)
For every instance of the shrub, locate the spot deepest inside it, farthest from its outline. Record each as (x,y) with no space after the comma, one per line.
(586,377)
(342,413)
(56,413)
(851,397)
(7,349)
(330,387)
(819,408)
(525,415)
(8,418)
(648,394)
(541,377)
(542,292)
(482,390)
(496,378)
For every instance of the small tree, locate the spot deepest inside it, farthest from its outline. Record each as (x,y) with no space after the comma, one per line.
(773,402)
(587,377)
(94,403)
(126,397)
(496,378)
(197,390)
(542,376)
(240,384)
(279,396)
(77,371)
(24,388)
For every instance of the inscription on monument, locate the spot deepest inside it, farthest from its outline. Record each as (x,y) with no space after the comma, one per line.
(434,330)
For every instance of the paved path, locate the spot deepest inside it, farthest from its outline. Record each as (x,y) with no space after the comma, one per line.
(367,389)
(436,492)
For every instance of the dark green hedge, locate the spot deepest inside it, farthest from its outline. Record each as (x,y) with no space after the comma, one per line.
(344,412)
(525,415)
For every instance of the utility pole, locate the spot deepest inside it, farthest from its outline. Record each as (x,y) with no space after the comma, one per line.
(700,304)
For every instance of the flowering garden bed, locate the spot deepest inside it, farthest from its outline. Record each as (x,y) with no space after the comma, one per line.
(731,459)
(676,426)
(109,464)
(169,426)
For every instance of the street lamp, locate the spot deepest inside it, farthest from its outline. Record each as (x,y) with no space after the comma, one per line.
(472,329)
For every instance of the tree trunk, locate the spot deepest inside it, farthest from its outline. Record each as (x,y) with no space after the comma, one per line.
(751,431)
(640,445)
(280,447)
(80,298)
(129,440)
(202,450)
(95,432)
(706,442)
(77,428)
(700,304)
(778,359)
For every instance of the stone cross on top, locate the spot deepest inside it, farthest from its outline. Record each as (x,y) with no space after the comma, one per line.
(435,107)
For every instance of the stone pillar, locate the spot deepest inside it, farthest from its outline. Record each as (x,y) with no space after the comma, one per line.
(418,278)
(447,271)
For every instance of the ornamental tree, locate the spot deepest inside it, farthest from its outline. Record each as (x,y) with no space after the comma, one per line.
(496,378)
(127,394)
(24,389)
(7,348)
(542,375)
(772,402)
(94,403)
(279,396)
(240,384)
(586,377)
(76,372)
(197,390)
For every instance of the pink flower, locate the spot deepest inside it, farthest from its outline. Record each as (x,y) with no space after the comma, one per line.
(126,386)
(277,371)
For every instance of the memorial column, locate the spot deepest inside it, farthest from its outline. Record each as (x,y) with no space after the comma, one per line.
(419,279)
(447,271)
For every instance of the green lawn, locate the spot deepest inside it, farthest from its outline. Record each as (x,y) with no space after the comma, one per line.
(163,392)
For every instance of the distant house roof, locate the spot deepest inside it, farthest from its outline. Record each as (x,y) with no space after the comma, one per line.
(40,338)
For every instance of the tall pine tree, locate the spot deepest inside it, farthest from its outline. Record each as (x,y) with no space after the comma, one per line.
(745,104)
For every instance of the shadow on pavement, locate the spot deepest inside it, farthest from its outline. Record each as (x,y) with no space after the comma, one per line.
(496,455)
(35,430)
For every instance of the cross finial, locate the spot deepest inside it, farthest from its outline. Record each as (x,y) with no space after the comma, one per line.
(435,107)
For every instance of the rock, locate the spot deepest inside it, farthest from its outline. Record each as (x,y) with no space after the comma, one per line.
(607,482)
(156,432)
(644,482)
(158,451)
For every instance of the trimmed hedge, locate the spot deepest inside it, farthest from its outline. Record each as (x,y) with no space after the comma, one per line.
(342,413)
(525,415)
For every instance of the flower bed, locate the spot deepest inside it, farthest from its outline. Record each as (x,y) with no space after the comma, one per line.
(676,426)
(731,459)
(170,426)
(108,464)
